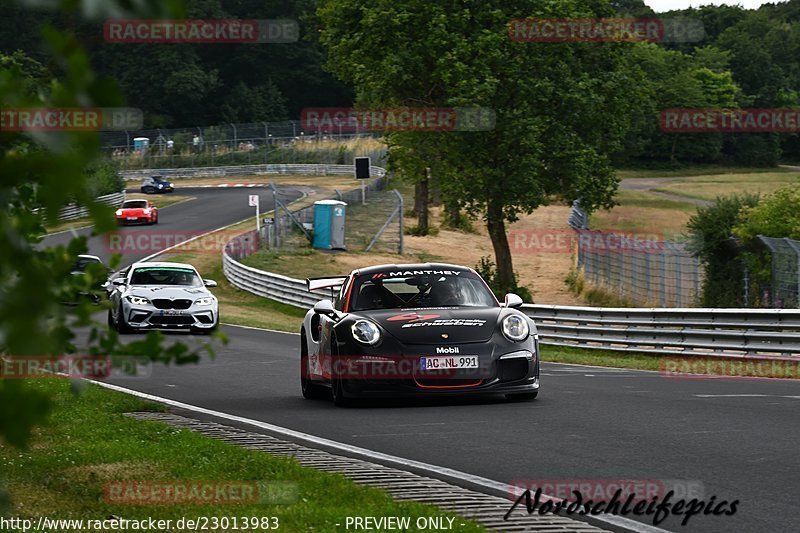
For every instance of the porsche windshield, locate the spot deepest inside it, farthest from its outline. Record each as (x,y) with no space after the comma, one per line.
(457,289)
(166,276)
(134,204)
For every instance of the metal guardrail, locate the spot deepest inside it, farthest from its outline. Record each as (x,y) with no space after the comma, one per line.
(742,332)
(244,170)
(273,286)
(72,212)
(697,332)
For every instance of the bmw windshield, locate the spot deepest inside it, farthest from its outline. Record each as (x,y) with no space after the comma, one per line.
(166,276)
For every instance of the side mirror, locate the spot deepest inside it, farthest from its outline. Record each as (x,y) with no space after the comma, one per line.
(324,307)
(118,281)
(210,283)
(512,300)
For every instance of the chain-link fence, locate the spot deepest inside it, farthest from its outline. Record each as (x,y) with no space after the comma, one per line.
(642,269)
(779,287)
(657,274)
(239,144)
(373,220)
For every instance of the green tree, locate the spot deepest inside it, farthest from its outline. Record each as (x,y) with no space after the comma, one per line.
(47,170)
(777,215)
(560,108)
(711,240)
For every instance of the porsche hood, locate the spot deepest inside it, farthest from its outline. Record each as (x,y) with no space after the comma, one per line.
(438,325)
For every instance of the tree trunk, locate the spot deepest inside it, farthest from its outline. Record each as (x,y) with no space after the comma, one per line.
(422,205)
(495,223)
(453,215)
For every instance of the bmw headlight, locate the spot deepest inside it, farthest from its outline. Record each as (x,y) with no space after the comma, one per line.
(204,301)
(366,332)
(160,185)
(516,328)
(138,300)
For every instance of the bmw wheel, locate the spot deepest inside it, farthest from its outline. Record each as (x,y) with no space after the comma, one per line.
(122,326)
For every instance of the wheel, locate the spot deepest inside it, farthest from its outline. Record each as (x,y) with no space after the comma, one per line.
(156,220)
(311,390)
(522,397)
(142,190)
(337,383)
(121,325)
(110,319)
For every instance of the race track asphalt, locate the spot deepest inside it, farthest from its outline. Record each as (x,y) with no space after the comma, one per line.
(739,438)
(736,437)
(210,209)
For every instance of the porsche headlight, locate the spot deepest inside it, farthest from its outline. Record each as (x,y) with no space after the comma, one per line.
(204,301)
(146,210)
(119,212)
(366,332)
(515,328)
(138,300)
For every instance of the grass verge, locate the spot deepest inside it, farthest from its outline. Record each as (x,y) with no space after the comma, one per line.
(710,187)
(694,170)
(88,443)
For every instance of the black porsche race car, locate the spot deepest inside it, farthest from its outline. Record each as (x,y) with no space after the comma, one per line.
(422,329)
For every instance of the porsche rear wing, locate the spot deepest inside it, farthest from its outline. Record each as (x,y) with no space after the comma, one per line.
(325,283)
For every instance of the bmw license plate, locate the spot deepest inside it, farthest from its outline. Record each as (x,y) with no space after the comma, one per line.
(172,312)
(448,363)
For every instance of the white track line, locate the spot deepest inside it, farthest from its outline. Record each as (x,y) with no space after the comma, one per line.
(492,487)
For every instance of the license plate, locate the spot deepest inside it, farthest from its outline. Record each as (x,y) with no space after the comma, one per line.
(132,218)
(448,363)
(172,312)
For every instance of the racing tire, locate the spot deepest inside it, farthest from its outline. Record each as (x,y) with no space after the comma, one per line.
(337,383)
(155,221)
(121,326)
(110,320)
(311,390)
(522,397)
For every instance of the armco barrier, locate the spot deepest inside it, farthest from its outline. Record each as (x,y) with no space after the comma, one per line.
(245,170)
(729,332)
(72,212)
(274,286)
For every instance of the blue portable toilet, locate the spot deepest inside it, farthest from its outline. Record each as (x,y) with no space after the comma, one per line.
(140,144)
(329,224)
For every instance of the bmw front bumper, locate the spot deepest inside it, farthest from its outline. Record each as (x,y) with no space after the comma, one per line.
(144,316)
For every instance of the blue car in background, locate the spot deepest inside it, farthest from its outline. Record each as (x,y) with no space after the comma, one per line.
(156,184)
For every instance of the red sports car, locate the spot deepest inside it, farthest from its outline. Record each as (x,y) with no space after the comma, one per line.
(137,212)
